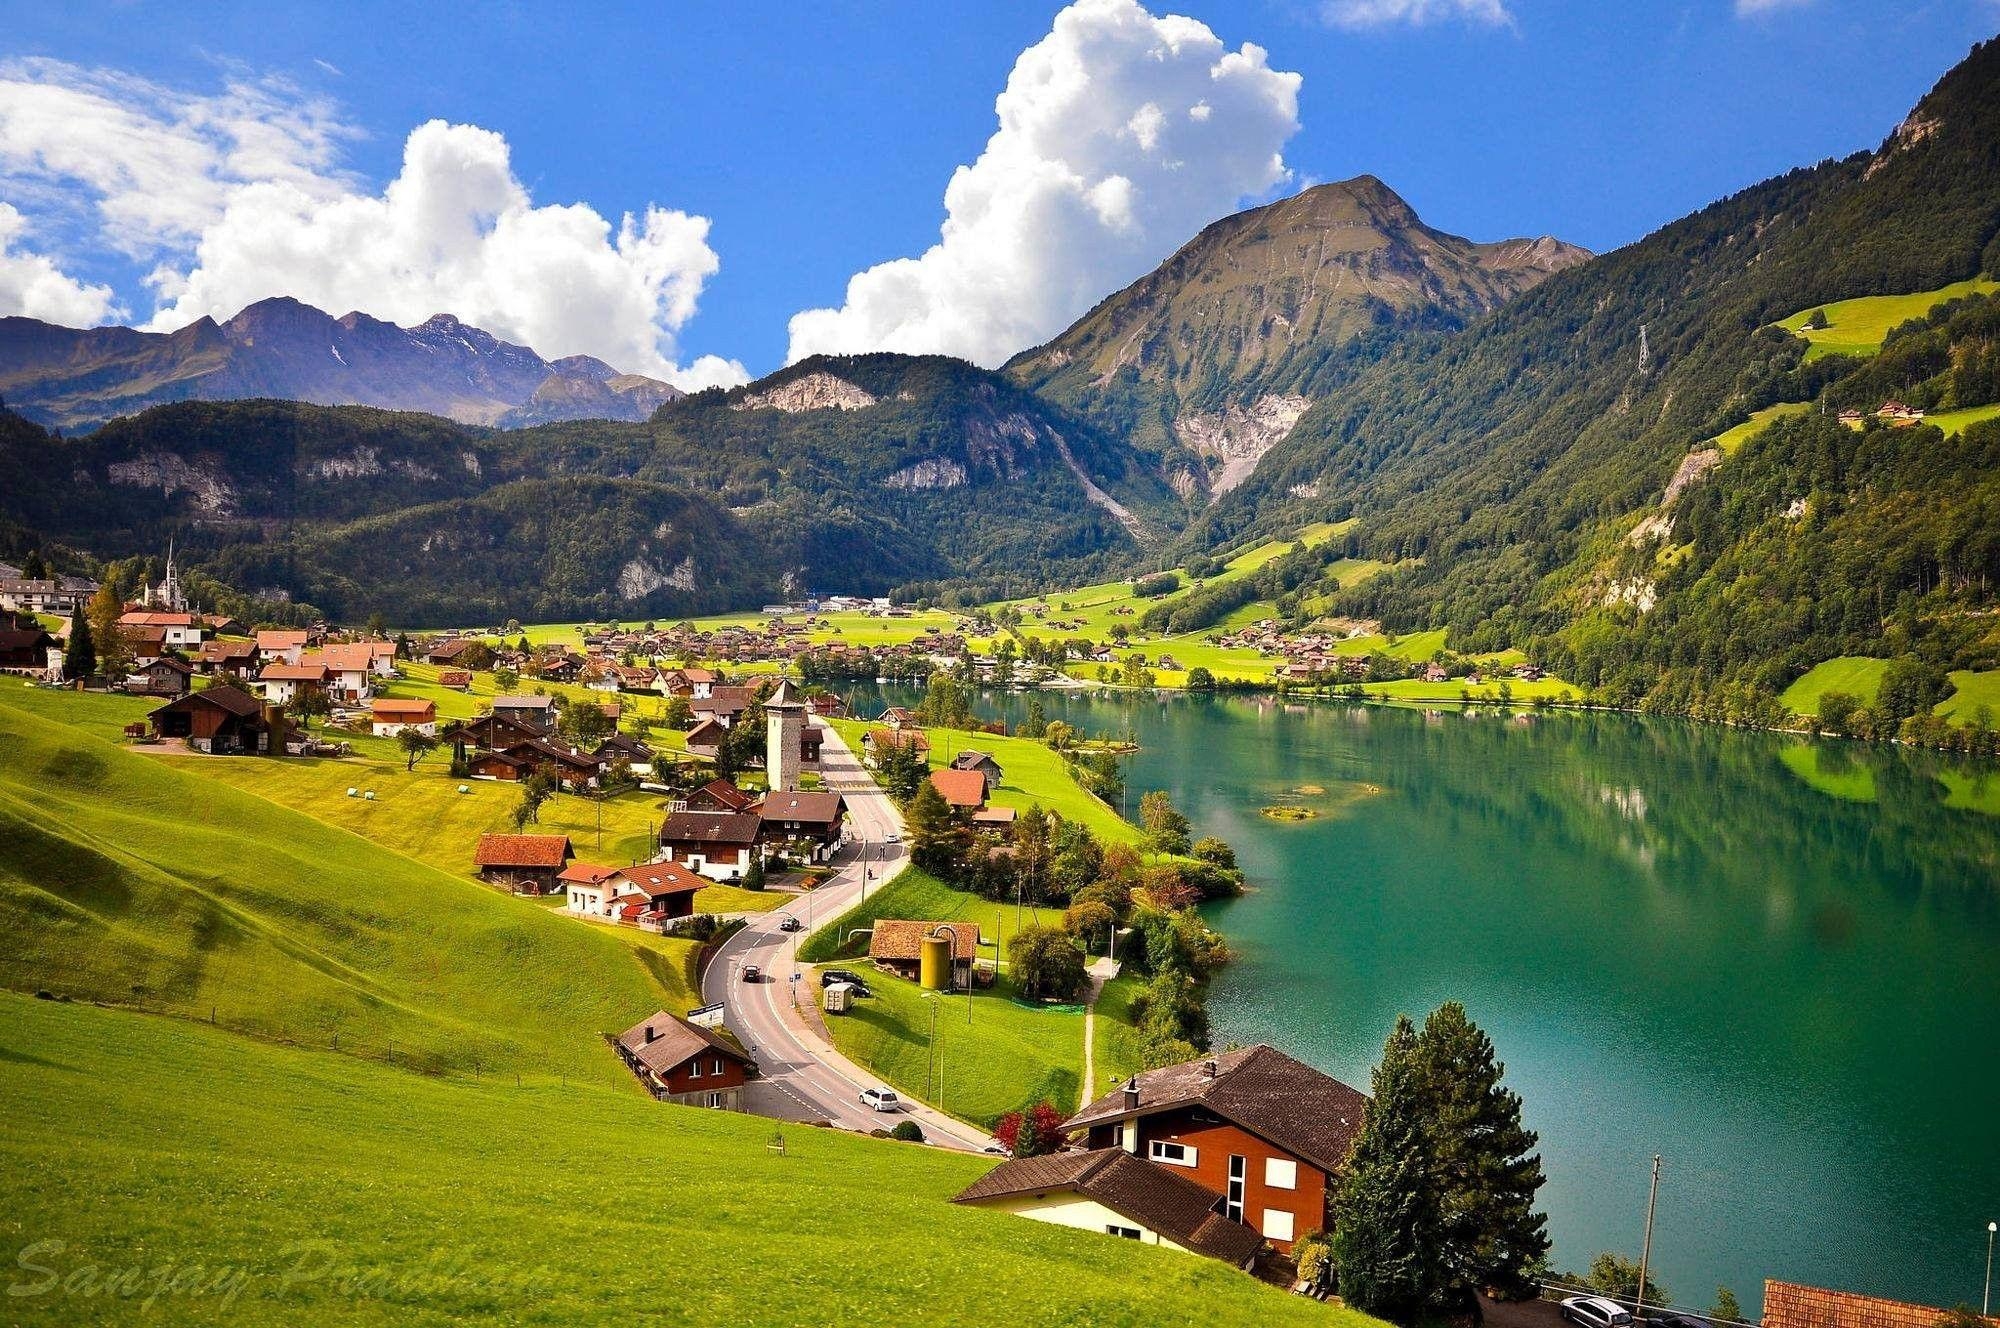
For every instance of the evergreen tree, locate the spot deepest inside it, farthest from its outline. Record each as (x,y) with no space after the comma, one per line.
(35,568)
(933,835)
(80,654)
(1385,1239)
(1037,722)
(1488,1168)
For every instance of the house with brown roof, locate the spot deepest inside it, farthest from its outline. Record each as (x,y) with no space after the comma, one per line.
(685,1064)
(536,713)
(223,721)
(587,888)
(350,669)
(236,658)
(718,795)
(448,652)
(162,676)
(652,894)
(1792,1305)
(896,944)
(963,790)
(724,704)
(180,631)
(390,715)
(525,864)
(1108,1190)
(812,825)
(1267,1133)
(982,762)
(30,651)
(282,684)
(705,739)
(718,845)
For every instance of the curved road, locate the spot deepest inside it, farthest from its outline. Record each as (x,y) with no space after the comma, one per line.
(816,1081)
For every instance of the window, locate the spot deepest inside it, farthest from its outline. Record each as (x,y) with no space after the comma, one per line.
(694,1068)
(1233,1208)
(1281,1173)
(1277,1224)
(715,1066)
(715,1099)
(1113,1229)
(1180,1155)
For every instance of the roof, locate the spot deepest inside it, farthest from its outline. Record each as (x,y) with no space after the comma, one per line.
(143,618)
(818,808)
(292,673)
(706,731)
(521,851)
(1149,1194)
(586,873)
(286,640)
(724,701)
(894,737)
(1281,1100)
(674,1041)
(711,828)
(897,938)
(24,639)
(662,878)
(1790,1305)
(723,791)
(232,699)
(396,705)
(347,657)
(994,816)
(973,760)
(785,697)
(961,788)
(523,702)
(218,650)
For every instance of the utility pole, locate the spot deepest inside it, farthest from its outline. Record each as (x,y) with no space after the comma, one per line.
(1646,1249)
(1986,1300)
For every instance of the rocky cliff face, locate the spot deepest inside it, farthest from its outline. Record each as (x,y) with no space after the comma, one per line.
(79,379)
(1209,359)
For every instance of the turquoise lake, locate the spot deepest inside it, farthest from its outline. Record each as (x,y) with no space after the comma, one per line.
(1770,961)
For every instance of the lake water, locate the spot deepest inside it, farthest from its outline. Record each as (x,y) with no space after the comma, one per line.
(1771,962)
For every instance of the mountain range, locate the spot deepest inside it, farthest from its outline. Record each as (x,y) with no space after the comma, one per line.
(1621,464)
(78,379)
(1208,360)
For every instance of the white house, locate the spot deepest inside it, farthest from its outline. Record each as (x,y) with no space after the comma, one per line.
(390,715)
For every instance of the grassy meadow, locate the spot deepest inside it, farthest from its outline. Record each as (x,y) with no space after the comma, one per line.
(267,1185)
(1857,327)
(1857,675)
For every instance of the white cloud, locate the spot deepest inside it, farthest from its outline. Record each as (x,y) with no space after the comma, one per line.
(1120,136)
(33,285)
(1384,13)
(1753,8)
(239,196)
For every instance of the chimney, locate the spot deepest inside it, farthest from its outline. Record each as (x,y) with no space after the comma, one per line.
(1208,1068)
(1132,1093)
(649,1032)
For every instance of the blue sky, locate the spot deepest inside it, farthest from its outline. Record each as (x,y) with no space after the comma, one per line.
(817,141)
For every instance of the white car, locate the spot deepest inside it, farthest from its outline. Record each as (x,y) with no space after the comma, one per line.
(885,1099)
(893,839)
(1596,1312)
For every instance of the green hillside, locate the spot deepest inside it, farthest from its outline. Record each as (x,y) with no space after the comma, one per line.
(123,880)
(1858,326)
(1502,471)
(331,1190)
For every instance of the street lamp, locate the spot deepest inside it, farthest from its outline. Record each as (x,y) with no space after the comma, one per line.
(1986,1300)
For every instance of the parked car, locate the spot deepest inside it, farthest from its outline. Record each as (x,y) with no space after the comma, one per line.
(1596,1312)
(791,923)
(752,973)
(1670,1319)
(881,1099)
(833,975)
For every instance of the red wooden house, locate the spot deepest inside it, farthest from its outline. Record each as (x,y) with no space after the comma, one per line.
(681,1063)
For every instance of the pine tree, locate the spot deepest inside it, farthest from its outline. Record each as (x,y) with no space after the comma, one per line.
(35,568)
(933,836)
(1488,1168)
(1385,1240)
(80,654)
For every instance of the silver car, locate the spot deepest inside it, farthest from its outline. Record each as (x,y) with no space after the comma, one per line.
(1596,1312)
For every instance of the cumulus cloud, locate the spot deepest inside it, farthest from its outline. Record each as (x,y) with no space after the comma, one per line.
(1120,135)
(237,196)
(33,285)
(1384,13)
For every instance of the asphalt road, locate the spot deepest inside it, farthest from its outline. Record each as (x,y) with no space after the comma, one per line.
(800,1076)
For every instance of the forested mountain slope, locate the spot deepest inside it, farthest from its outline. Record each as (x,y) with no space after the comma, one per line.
(856,474)
(1515,459)
(1208,360)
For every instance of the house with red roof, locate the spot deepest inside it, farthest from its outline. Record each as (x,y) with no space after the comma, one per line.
(390,715)
(963,790)
(525,864)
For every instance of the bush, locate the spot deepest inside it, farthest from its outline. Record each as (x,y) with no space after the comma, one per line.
(1156,585)
(907,1131)
(1031,1132)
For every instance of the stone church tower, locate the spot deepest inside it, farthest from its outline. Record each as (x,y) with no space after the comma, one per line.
(784,727)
